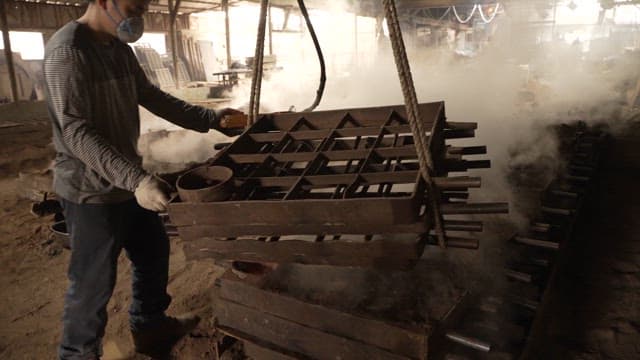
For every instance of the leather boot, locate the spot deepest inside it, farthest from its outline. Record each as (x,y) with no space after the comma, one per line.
(158,340)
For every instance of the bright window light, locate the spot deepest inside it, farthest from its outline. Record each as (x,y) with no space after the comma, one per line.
(30,45)
(155,41)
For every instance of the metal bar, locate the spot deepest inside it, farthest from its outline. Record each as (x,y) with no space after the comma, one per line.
(343,132)
(453,125)
(537,243)
(444,183)
(462,225)
(8,55)
(336,155)
(556,211)
(467,150)
(468,341)
(475,208)
(562,193)
(518,275)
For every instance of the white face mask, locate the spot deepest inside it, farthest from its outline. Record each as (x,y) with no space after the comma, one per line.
(128,29)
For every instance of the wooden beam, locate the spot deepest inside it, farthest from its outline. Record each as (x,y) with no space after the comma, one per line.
(385,254)
(173,13)
(405,340)
(227,31)
(8,55)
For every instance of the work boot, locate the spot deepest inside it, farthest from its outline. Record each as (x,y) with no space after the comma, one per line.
(158,340)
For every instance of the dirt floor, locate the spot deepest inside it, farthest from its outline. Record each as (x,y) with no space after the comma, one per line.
(33,272)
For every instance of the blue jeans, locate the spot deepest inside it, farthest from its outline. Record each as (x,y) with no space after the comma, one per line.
(98,233)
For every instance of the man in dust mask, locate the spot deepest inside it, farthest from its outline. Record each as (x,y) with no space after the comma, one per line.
(94,86)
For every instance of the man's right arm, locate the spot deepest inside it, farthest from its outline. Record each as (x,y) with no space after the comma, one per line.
(68,88)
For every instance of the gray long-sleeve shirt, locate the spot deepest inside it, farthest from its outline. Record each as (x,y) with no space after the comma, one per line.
(94,90)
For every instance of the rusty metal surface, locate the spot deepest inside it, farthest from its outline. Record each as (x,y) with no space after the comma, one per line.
(332,173)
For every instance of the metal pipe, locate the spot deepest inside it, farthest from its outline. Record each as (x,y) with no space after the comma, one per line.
(7,51)
(518,275)
(457,183)
(540,229)
(475,208)
(562,193)
(556,211)
(469,341)
(463,225)
(537,243)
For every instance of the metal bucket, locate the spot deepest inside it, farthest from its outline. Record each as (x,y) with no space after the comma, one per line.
(206,184)
(60,233)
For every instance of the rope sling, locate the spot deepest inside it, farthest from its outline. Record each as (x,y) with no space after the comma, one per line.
(256,80)
(423,144)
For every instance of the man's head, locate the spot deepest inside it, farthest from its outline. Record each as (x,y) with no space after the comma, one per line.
(119,18)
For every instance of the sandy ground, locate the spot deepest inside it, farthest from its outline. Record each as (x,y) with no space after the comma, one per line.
(33,272)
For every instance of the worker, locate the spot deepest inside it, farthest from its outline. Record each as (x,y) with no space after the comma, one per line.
(94,85)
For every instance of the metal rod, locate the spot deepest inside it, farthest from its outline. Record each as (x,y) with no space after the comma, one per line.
(475,208)
(8,55)
(467,150)
(567,194)
(537,243)
(462,225)
(469,341)
(556,211)
(518,275)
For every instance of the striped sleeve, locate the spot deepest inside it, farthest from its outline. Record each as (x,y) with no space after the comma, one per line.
(68,89)
(169,107)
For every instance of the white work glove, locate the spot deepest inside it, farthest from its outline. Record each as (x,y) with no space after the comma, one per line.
(152,193)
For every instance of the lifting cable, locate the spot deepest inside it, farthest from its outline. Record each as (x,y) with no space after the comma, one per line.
(423,144)
(258,61)
(316,44)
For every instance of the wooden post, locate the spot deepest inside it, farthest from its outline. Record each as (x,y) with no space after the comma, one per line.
(270,32)
(227,31)
(7,51)
(173,14)
(355,36)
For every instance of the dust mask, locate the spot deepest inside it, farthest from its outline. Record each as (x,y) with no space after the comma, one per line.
(129,29)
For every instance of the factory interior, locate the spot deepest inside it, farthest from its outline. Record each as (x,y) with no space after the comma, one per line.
(407,179)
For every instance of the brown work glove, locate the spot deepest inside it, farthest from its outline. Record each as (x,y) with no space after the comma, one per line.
(153,193)
(216,118)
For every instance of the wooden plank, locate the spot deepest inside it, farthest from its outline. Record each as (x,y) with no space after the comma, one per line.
(372,116)
(377,253)
(396,177)
(189,233)
(319,134)
(335,155)
(336,212)
(405,340)
(257,352)
(294,337)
